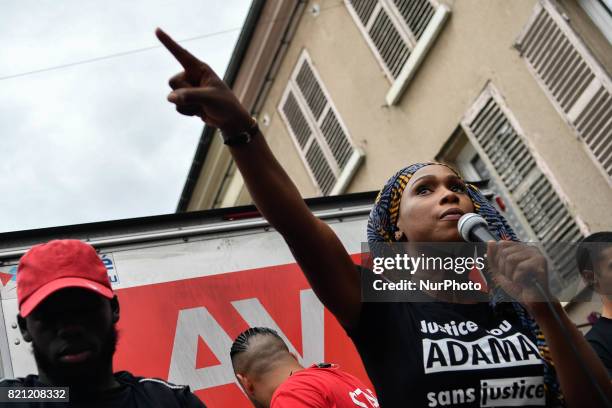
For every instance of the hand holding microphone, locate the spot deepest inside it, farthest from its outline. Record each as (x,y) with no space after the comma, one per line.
(518,268)
(521,271)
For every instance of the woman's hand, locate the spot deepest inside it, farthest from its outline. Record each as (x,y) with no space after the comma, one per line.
(198,91)
(517,267)
(321,255)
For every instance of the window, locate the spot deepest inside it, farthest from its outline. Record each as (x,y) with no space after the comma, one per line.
(399,33)
(537,204)
(579,88)
(317,130)
(462,155)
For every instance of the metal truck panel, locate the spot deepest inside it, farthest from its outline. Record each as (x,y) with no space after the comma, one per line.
(186,293)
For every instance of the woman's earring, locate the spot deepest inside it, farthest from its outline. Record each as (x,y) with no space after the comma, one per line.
(399,235)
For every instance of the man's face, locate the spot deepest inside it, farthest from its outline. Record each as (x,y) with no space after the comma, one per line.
(72,333)
(602,269)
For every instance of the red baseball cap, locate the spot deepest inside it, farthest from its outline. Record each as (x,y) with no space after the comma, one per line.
(55,265)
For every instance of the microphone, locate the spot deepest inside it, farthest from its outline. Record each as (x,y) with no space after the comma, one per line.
(473,228)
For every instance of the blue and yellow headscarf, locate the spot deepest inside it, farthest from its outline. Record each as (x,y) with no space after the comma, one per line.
(382,226)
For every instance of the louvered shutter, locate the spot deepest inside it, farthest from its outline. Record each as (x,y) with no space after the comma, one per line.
(578,87)
(491,129)
(416,15)
(316,129)
(391,28)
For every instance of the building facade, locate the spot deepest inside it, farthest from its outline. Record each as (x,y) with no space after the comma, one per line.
(514,92)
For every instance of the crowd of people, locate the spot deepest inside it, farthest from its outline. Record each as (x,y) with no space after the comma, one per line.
(68,311)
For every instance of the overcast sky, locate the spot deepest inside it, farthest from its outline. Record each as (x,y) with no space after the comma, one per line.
(98,141)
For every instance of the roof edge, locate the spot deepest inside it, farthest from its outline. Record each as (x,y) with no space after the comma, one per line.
(135,226)
(233,67)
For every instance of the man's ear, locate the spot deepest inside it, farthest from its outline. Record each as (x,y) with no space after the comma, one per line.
(588,276)
(247,385)
(115,308)
(23,328)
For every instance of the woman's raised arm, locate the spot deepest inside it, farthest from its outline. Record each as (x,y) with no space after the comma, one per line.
(198,91)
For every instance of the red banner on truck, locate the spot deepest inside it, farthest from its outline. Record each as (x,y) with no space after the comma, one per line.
(186,293)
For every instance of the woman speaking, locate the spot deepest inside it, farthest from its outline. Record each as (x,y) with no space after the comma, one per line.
(425,354)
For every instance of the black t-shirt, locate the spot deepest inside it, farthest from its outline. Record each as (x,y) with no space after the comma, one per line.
(439,354)
(600,338)
(133,392)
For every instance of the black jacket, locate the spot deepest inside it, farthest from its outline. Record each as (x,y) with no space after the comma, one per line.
(134,392)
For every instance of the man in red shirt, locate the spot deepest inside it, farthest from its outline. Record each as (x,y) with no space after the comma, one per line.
(272,377)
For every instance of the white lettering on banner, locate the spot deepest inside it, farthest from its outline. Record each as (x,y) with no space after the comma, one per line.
(311,308)
(198,322)
(486,352)
(192,324)
(109,264)
(512,392)
(371,401)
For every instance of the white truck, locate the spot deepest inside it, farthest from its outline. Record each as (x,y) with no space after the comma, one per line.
(189,283)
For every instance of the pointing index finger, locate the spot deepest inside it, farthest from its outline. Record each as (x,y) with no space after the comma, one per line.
(184,57)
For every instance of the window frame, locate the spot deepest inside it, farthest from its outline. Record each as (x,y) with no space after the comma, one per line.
(343,176)
(582,103)
(539,170)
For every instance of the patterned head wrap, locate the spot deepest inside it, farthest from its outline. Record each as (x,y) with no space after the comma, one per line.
(382,226)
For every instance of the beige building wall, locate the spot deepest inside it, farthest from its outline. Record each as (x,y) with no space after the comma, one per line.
(474,47)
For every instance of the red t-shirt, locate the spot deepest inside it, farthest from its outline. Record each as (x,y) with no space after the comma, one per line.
(323,388)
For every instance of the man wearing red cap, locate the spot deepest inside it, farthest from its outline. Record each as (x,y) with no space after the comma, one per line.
(68,311)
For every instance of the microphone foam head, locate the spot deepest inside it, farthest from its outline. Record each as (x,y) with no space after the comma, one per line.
(467,222)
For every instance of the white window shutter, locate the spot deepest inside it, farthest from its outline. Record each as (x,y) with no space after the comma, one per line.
(320,168)
(385,37)
(416,15)
(399,33)
(317,130)
(311,90)
(294,118)
(491,128)
(578,87)
(336,138)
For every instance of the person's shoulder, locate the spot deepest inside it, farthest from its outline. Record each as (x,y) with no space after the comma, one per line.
(127,377)
(318,376)
(331,373)
(301,389)
(308,378)
(600,339)
(160,389)
(12,382)
(601,331)
(29,381)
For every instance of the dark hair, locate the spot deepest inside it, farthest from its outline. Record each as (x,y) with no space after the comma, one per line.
(241,344)
(591,247)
